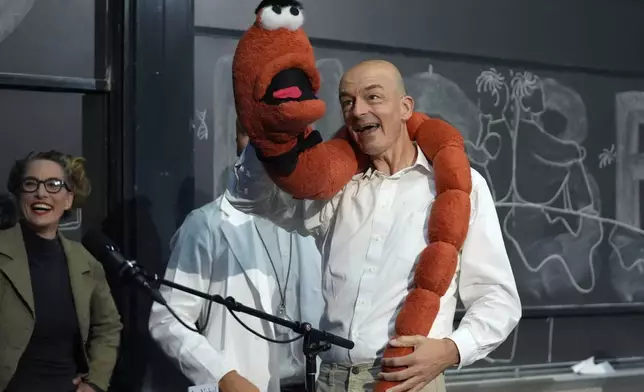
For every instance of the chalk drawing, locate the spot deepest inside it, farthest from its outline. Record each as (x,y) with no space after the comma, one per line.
(630,161)
(525,135)
(441,97)
(513,350)
(537,176)
(627,256)
(201,130)
(551,335)
(514,346)
(12,13)
(607,156)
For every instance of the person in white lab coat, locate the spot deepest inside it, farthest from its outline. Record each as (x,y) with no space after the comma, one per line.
(221,250)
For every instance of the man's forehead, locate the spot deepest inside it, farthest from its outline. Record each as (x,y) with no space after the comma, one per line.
(369,79)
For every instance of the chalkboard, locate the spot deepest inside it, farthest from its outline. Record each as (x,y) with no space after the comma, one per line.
(554,147)
(47,37)
(547,142)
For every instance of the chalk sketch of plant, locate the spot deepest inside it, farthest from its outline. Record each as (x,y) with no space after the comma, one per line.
(607,156)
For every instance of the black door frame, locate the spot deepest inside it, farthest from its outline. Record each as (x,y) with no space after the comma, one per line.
(150,153)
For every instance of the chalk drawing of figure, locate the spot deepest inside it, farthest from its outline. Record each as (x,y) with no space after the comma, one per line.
(440,97)
(12,13)
(553,223)
(492,150)
(627,263)
(556,260)
(544,162)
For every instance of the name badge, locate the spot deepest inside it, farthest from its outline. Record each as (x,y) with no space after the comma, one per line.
(204,388)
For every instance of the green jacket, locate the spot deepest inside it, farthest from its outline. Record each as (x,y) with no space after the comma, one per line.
(98,318)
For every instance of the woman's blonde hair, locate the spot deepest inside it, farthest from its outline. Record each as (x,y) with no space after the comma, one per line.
(73,167)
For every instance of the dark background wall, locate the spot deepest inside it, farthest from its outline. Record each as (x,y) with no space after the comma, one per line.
(597,34)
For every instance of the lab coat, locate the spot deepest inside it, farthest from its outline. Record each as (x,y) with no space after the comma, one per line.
(219,250)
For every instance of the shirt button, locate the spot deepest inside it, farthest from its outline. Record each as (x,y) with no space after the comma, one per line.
(355,370)
(372,269)
(376,238)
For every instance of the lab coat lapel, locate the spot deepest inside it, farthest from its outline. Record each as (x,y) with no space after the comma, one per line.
(243,239)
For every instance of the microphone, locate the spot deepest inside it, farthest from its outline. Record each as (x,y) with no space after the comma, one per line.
(8,211)
(106,252)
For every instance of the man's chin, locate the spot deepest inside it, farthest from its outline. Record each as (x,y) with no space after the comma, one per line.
(373,145)
(371,149)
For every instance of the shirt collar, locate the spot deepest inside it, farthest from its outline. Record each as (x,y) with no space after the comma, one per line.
(421,164)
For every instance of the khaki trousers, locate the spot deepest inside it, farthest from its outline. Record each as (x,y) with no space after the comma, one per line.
(358,378)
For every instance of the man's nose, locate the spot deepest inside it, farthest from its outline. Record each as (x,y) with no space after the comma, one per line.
(360,108)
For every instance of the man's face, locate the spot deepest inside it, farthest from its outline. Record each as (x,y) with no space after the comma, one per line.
(374,107)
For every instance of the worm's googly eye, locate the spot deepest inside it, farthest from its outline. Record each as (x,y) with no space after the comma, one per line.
(275,17)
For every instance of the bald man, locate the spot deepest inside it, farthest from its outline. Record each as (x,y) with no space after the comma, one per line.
(370,235)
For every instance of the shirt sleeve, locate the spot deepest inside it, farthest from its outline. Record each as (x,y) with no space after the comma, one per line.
(486,283)
(190,264)
(252,191)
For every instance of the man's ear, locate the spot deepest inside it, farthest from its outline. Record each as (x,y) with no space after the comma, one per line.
(407,104)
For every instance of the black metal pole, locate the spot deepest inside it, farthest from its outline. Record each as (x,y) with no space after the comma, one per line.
(315,340)
(231,304)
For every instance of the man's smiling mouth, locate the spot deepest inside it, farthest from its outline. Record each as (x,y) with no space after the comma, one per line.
(366,128)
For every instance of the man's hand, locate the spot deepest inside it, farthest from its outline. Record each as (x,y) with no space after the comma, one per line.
(82,386)
(430,358)
(233,382)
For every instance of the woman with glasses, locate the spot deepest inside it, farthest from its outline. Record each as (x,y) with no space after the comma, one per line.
(59,327)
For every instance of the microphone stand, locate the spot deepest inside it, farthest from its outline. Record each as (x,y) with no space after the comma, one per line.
(315,340)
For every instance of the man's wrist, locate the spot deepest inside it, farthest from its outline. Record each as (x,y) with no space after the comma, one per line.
(226,378)
(452,355)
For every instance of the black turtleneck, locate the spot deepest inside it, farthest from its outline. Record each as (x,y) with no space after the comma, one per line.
(51,359)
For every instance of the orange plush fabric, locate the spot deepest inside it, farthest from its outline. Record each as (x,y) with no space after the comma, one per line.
(275,82)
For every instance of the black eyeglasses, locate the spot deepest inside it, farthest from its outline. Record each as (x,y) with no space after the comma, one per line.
(52,185)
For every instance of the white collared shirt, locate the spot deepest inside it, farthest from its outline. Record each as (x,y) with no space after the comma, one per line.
(370,235)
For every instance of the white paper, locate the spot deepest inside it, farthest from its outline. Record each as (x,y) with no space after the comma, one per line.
(204,388)
(589,367)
